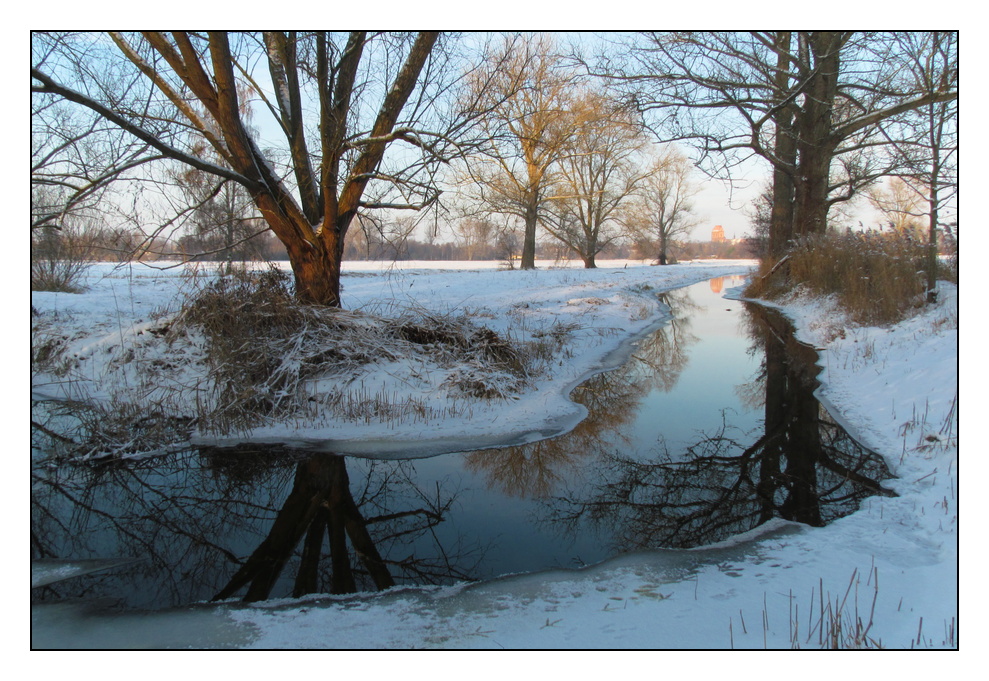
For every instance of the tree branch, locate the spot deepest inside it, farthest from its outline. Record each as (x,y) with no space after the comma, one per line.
(50,86)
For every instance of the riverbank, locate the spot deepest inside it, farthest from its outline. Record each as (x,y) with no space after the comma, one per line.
(116,344)
(883,576)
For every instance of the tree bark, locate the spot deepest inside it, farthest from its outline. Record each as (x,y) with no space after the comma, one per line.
(785,150)
(815,143)
(529,237)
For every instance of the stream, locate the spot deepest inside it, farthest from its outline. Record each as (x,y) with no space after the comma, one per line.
(708,430)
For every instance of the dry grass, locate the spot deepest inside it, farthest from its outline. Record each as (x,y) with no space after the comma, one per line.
(242,353)
(263,347)
(878,278)
(47,348)
(98,430)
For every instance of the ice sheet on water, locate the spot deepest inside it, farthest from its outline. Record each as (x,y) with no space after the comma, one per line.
(44,572)
(393,614)
(94,625)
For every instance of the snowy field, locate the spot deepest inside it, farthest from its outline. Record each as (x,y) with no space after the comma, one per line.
(888,571)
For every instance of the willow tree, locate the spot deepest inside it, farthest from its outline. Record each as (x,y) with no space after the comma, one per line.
(359,121)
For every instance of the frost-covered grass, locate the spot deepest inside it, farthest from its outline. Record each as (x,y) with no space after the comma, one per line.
(885,576)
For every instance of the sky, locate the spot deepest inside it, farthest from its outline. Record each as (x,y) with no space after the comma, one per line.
(716,204)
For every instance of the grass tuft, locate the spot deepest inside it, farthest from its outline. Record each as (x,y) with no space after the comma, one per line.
(878,278)
(264,349)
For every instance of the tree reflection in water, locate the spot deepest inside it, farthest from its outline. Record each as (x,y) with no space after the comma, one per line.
(612,400)
(260,522)
(321,503)
(804,467)
(193,516)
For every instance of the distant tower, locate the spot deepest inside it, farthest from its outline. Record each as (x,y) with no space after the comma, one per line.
(717,234)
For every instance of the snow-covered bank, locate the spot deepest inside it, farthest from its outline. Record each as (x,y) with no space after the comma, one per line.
(117,353)
(889,569)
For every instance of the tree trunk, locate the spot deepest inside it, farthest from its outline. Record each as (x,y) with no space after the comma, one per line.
(529,238)
(933,202)
(781,218)
(932,242)
(785,150)
(815,145)
(342,574)
(262,569)
(803,451)
(306,581)
(317,276)
(810,214)
(345,515)
(315,257)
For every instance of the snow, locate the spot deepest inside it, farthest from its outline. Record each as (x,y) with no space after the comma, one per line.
(892,565)
(606,308)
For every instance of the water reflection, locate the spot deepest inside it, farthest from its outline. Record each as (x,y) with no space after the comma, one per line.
(613,400)
(710,429)
(802,467)
(249,522)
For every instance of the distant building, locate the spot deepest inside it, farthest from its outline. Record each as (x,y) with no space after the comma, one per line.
(717,234)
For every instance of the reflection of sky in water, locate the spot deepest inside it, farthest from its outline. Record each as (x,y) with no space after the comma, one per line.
(717,364)
(503,524)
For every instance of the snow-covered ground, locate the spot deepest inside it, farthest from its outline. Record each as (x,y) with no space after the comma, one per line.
(109,336)
(889,571)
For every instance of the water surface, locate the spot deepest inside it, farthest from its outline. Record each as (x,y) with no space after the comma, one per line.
(709,429)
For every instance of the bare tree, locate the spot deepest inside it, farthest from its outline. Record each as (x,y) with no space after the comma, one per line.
(60,256)
(663,209)
(224,219)
(813,104)
(75,153)
(475,235)
(528,90)
(900,206)
(931,156)
(365,121)
(225,224)
(600,171)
